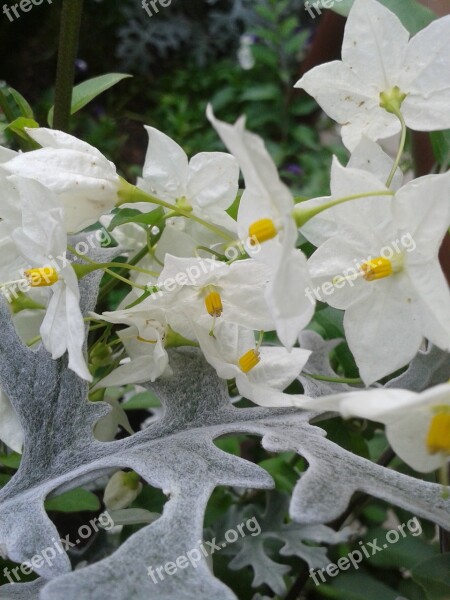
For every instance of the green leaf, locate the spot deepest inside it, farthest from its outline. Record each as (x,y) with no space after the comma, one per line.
(359,585)
(434,576)
(258,93)
(18,127)
(131,215)
(441,146)
(142,401)
(73,501)
(283,473)
(413,15)
(22,103)
(11,460)
(88,90)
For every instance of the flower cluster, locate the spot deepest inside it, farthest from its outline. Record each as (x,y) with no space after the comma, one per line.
(216,268)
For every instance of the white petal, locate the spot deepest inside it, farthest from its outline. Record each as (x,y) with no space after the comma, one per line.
(379,404)
(278,368)
(61,170)
(407,435)
(428,113)
(434,302)
(75,333)
(54,324)
(425,222)
(6,154)
(368,218)
(374,44)
(213,180)
(257,166)
(338,91)
(51,138)
(369,156)
(342,258)
(266,396)
(166,166)
(383,329)
(426,66)
(11,432)
(286,297)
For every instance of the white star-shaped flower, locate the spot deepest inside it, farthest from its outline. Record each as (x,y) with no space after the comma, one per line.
(381,266)
(40,239)
(206,185)
(266,223)
(84,180)
(261,374)
(417,425)
(378,57)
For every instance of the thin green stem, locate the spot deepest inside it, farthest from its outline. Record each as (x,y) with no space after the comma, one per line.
(134,194)
(349,380)
(65,73)
(401,148)
(111,284)
(302,215)
(106,269)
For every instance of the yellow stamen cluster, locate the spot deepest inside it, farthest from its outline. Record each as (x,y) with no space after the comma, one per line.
(249,360)
(261,231)
(438,437)
(213,304)
(43,277)
(378,268)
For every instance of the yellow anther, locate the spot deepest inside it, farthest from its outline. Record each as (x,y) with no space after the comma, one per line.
(43,277)
(378,268)
(213,303)
(261,231)
(438,437)
(249,360)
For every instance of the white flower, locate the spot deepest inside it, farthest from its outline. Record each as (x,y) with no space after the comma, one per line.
(379,58)
(382,268)
(40,239)
(86,182)
(265,216)
(145,348)
(261,374)
(11,432)
(417,425)
(192,287)
(206,185)
(367,156)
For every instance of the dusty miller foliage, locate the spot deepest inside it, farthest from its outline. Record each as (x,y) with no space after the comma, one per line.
(202,29)
(176,453)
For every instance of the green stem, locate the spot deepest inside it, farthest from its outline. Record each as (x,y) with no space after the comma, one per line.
(94,266)
(401,148)
(131,193)
(67,52)
(349,380)
(111,284)
(302,215)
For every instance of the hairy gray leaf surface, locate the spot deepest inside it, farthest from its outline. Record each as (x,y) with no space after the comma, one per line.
(319,363)
(259,551)
(175,453)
